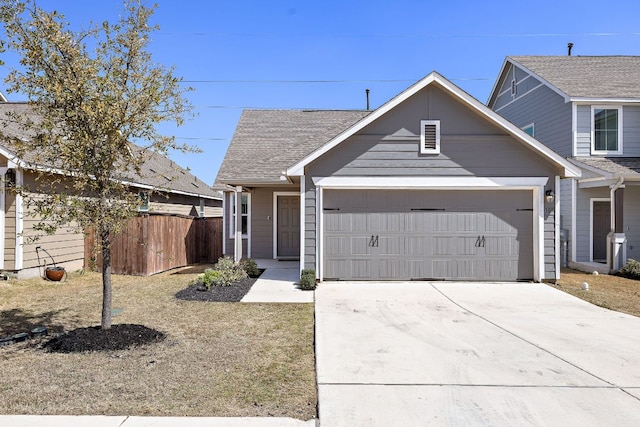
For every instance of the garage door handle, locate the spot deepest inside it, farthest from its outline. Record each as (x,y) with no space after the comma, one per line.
(373,242)
(480,242)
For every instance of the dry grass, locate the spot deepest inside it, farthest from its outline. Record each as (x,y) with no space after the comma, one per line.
(612,292)
(220,359)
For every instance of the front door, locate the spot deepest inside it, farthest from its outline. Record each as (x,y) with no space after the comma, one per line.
(288,230)
(601,227)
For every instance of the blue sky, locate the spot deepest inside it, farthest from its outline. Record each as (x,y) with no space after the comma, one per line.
(324,54)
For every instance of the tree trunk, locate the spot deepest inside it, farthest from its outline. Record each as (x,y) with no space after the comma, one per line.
(106,279)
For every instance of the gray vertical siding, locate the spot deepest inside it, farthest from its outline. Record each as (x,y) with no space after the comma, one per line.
(550,114)
(631,131)
(262,223)
(583,130)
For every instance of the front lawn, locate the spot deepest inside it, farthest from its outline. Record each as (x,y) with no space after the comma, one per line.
(612,292)
(218,359)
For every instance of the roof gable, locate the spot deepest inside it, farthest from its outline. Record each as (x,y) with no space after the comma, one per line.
(583,77)
(467,100)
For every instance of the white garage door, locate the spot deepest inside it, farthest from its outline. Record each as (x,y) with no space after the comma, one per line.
(434,234)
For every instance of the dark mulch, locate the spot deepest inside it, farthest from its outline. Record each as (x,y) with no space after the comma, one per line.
(233,293)
(119,337)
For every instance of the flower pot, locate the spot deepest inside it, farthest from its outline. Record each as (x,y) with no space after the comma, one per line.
(54,274)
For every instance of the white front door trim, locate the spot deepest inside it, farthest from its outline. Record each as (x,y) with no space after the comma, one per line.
(277,194)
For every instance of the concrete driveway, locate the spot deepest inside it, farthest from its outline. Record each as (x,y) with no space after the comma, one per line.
(469,354)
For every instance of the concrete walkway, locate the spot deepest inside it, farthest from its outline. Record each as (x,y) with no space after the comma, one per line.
(450,354)
(279,283)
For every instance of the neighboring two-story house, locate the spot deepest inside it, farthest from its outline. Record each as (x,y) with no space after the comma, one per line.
(587,109)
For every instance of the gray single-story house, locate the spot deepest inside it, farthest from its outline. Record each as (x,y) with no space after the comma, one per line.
(431,185)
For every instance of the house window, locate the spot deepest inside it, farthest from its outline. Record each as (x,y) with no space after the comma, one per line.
(144,201)
(529,130)
(244,213)
(429,136)
(606,130)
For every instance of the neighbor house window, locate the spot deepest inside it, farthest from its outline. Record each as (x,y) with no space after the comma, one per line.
(244,213)
(606,130)
(529,130)
(144,201)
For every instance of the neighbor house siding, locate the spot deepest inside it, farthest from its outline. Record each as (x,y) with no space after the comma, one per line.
(549,113)
(10,231)
(183,205)
(631,131)
(583,130)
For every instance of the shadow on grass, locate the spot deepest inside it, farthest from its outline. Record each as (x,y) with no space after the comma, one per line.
(16,321)
(193,269)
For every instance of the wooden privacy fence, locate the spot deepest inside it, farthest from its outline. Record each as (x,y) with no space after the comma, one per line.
(153,243)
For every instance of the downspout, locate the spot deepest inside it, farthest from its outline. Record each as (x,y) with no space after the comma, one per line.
(612,203)
(612,196)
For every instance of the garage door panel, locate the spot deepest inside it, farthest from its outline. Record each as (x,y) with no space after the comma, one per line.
(464,235)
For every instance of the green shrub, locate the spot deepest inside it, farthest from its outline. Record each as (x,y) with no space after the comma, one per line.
(209,278)
(250,267)
(308,280)
(631,269)
(230,272)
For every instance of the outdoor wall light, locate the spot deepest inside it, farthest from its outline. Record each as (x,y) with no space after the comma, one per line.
(549,196)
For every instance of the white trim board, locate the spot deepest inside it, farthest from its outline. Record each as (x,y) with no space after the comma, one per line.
(534,184)
(496,183)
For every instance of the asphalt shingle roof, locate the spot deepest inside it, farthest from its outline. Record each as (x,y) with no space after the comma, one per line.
(588,76)
(626,166)
(267,142)
(158,172)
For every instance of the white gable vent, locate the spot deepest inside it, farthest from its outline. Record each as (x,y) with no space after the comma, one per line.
(429,136)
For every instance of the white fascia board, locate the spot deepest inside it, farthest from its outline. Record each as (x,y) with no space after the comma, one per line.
(588,101)
(398,182)
(569,169)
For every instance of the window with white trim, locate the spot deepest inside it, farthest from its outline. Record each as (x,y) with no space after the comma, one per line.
(530,130)
(429,136)
(606,130)
(144,201)
(245,215)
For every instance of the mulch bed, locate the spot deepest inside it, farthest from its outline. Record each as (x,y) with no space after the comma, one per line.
(124,336)
(233,293)
(119,337)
